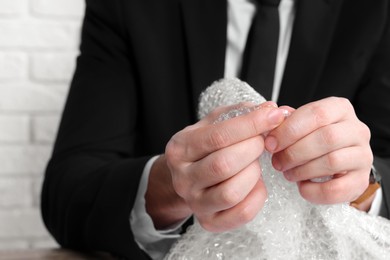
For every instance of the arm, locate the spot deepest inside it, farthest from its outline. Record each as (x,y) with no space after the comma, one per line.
(327,132)
(92,177)
(373,107)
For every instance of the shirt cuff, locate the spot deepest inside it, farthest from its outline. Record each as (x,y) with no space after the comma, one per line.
(155,242)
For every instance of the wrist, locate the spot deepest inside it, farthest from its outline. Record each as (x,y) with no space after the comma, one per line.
(163,204)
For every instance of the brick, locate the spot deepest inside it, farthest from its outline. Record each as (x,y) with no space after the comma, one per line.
(53,66)
(30,97)
(13,65)
(39,34)
(73,8)
(13,7)
(44,243)
(44,128)
(24,223)
(12,244)
(14,129)
(31,159)
(38,44)
(36,190)
(15,192)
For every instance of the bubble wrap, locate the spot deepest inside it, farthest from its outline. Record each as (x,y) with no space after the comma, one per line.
(288,227)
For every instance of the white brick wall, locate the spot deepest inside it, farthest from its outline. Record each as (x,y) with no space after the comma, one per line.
(38,46)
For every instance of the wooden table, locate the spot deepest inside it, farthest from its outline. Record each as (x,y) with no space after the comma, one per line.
(49,254)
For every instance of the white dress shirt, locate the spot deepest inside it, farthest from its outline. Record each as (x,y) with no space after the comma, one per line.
(240,15)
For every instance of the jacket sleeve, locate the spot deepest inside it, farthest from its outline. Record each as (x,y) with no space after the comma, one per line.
(373,108)
(92,178)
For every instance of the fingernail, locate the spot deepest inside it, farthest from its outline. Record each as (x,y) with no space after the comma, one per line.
(286,113)
(287,175)
(271,143)
(275,116)
(276,164)
(270,104)
(265,105)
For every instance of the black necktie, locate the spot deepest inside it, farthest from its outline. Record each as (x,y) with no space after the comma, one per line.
(259,59)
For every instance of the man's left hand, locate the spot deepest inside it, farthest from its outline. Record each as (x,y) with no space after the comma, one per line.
(319,139)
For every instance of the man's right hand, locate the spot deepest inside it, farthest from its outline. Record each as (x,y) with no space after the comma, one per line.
(215,168)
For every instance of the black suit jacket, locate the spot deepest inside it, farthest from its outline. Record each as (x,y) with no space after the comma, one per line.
(142,66)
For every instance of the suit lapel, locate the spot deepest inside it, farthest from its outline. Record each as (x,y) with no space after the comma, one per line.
(205,24)
(311,38)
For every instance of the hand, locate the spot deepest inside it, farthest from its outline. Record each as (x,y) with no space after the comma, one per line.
(215,167)
(323,138)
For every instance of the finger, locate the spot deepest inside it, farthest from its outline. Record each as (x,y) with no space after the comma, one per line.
(341,189)
(226,162)
(307,119)
(338,162)
(193,144)
(240,214)
(213,117)
(288,108)
(320,142)
(230,192)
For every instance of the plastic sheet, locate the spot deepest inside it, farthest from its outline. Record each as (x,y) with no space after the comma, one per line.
(288,227)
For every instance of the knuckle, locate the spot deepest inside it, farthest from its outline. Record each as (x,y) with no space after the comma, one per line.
(173,150)
(193,199)
(333,161)
(185,188)
(257,145)
(219,166)
(345,104)
(296,174)
(306,195)
(259,142)
(365,131)
(331,192)
(207,224)
(251,208)
(218,139)
(180,187)
(329,136)
(262,196)
(292,131)
(247,214)
(229,197)
(215,113)
(370,157)
(289,155)
(194,195)
(363,185)
(255,125)
(320,113)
